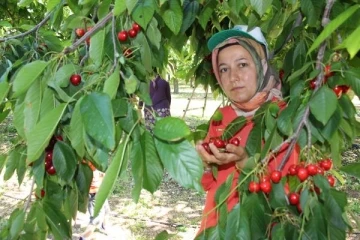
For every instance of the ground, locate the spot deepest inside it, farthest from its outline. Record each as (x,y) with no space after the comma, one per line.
(172,208)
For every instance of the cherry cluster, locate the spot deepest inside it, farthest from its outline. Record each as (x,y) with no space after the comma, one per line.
(338,89)
(132,33)
(49,167)
(301,171)
(220,143)
(81,31)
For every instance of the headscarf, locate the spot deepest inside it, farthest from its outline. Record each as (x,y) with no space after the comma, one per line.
(268,85)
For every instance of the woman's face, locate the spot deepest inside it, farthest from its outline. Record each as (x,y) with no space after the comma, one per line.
(237,73)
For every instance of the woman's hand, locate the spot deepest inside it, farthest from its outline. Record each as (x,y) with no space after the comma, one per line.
(233,154)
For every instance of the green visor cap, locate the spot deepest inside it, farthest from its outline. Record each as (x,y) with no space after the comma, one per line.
(238,31)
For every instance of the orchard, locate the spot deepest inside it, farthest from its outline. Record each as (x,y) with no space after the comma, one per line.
(72,71)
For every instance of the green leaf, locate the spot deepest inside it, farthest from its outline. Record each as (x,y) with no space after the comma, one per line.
(312,9)
(52,4)
(104,8)
(112,83)
(237,226)
(110,177)
(316,225)
(253,143)
(2,161)
(17,224)
(207,12)
(145,51)
(119,8)
(332,125)
(298,73)
(83,180)
(56,220)
(351,43)
(333,25)
(182,162)
(233,127)
(27,75)
(97,48)
(62,76)
(173,16)
(154,170)
(21,166)
(97,116)
(76,130)
(286,115)
(335,207)
(171,129)
(260,6)
(277,196)
(39,136)
(24,3)
(12,162)
(4,89)
(18,119)
(32,107)
(153,33)
(143,12)
(353,77)
(131,84)
(352,169)
(71,202)
(137,169)
(38,170)
(323,104)
(64,161)
(190,10)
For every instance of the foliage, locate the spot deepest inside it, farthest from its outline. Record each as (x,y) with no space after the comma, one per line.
(63,126)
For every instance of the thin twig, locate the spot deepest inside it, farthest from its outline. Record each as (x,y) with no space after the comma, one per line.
(29,197)
(38,26)
(88,34)
(319,79)
(116,54)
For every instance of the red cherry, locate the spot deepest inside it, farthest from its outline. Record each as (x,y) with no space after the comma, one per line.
(132,33)
(292,170)
(80,32)
(338,91)
(75,79)
(122,36)
(254,187)
(235,141)
(266,187)
(42,193)
(59,138)
(281,74)
(312,83)
(219,143)
(312,169)
(326,164)
(265,178)
(49,156)
(302,174)
(136,27)
(344,88)
(127,52)
(320,171)
(275,176)
(51,170)
(206,147)
(327,71)
(298,206)
(331,180)
(294,198)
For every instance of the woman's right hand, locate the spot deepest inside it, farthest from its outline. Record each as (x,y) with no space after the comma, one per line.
(233,153)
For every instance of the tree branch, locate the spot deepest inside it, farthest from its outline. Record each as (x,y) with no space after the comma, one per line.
(39,25)
(88,34)
(319,79)
(296,24)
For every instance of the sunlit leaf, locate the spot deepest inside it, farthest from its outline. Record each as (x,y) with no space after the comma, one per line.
(323,104)
(171,129)
(27,75)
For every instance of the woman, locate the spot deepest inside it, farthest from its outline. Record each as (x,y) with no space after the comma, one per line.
(239,60)
(161,101)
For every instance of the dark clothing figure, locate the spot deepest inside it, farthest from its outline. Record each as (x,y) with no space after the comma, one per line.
(161,101)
